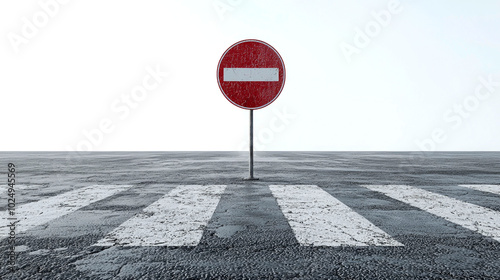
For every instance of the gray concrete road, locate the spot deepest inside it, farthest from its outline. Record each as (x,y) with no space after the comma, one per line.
(371,216)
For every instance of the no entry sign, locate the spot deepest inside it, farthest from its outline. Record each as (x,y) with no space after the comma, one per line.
(251,74)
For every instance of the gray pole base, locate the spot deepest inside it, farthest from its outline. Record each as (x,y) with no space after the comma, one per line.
(251,179)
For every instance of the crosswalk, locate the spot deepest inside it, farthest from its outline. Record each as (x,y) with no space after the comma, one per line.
(177,219)
(476,218)
(317,218)
(40,212)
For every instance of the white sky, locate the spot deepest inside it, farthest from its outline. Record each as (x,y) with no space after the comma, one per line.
(396,91)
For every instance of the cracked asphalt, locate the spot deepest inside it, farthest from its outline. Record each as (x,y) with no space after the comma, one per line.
(248,237)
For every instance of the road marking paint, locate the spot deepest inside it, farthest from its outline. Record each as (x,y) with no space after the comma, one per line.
(484,188)
(251,74)
(176,219)
(477,218)
(319,219)
(37,213)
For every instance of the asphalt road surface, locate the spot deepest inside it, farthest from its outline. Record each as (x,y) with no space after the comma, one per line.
(312,215)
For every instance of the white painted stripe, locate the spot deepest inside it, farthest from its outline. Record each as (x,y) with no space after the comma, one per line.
(251,74)
(470,216)
(38,213)
(484,188)
(319,219)
(177,219)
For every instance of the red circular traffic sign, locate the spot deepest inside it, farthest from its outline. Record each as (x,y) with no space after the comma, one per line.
(251,74)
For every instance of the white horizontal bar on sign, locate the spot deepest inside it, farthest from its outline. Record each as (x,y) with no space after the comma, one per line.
(251,74)
(484,188)
(43,211)
(319,219)
(476,218)
(176,219)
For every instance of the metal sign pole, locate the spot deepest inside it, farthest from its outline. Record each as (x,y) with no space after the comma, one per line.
(251,149)
(251,145)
